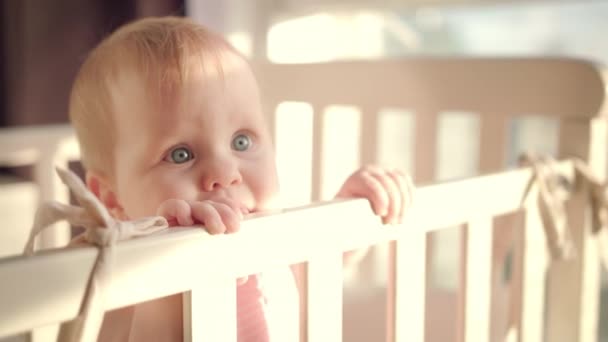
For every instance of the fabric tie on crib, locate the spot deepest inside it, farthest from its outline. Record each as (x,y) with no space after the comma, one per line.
(553,190)
(598,196)
(102,230)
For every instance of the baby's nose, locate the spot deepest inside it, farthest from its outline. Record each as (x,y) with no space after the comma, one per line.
(220,174)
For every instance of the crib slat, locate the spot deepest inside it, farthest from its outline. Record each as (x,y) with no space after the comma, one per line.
(573,289)
(493,142)
(294,122)
(406,288)
(45,334)
(395,144)
(51,188)
(425,164)
(478,280)
(209,310)
(534,267)
(317,150)
(324,298)
(565,295)
(369,135)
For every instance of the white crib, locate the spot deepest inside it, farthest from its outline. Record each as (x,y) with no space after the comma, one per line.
(545,301)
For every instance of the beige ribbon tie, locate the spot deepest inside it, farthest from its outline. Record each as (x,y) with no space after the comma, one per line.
(101,230)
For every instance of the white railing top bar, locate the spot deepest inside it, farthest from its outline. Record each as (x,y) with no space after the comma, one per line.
(24,145)
(516,86)
(48,287)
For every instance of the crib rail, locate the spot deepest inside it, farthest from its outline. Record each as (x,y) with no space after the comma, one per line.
(306,234)
(559,87)
(496,90)
(42,147)
(28,145)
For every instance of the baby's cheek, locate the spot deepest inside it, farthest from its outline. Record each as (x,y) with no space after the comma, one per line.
(141,205)
(172,191)
(145,201)
(266,194)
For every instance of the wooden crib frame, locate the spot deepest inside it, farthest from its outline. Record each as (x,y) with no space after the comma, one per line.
(496,89)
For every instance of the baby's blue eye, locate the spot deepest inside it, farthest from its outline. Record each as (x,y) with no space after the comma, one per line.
(180,155)
(241,142)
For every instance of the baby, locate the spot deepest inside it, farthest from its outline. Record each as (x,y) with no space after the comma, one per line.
(169,121)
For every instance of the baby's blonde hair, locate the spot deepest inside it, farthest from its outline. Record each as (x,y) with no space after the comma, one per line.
(161,51)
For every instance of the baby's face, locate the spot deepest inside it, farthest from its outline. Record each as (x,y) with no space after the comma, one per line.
(207,141)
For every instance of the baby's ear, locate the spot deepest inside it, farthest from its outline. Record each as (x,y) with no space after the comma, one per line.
(101,187)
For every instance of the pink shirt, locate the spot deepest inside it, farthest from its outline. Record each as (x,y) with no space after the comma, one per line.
(267,308)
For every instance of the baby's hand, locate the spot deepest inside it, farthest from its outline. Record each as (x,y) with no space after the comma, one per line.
(218,216)
(389,191)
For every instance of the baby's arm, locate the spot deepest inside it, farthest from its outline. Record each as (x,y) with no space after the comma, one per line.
(388,191)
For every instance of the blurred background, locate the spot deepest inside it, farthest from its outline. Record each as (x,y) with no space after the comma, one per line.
(43,44)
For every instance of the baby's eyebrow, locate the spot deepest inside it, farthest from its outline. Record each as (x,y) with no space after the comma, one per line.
(156,148)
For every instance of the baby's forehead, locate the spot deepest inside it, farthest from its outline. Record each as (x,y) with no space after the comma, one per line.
(228,75)
(165,76)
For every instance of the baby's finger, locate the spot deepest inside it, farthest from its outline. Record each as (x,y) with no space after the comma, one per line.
(403,188)
(395,200)
(177,212)
(205,213)
(373,189)
(231,217)
(234,205)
